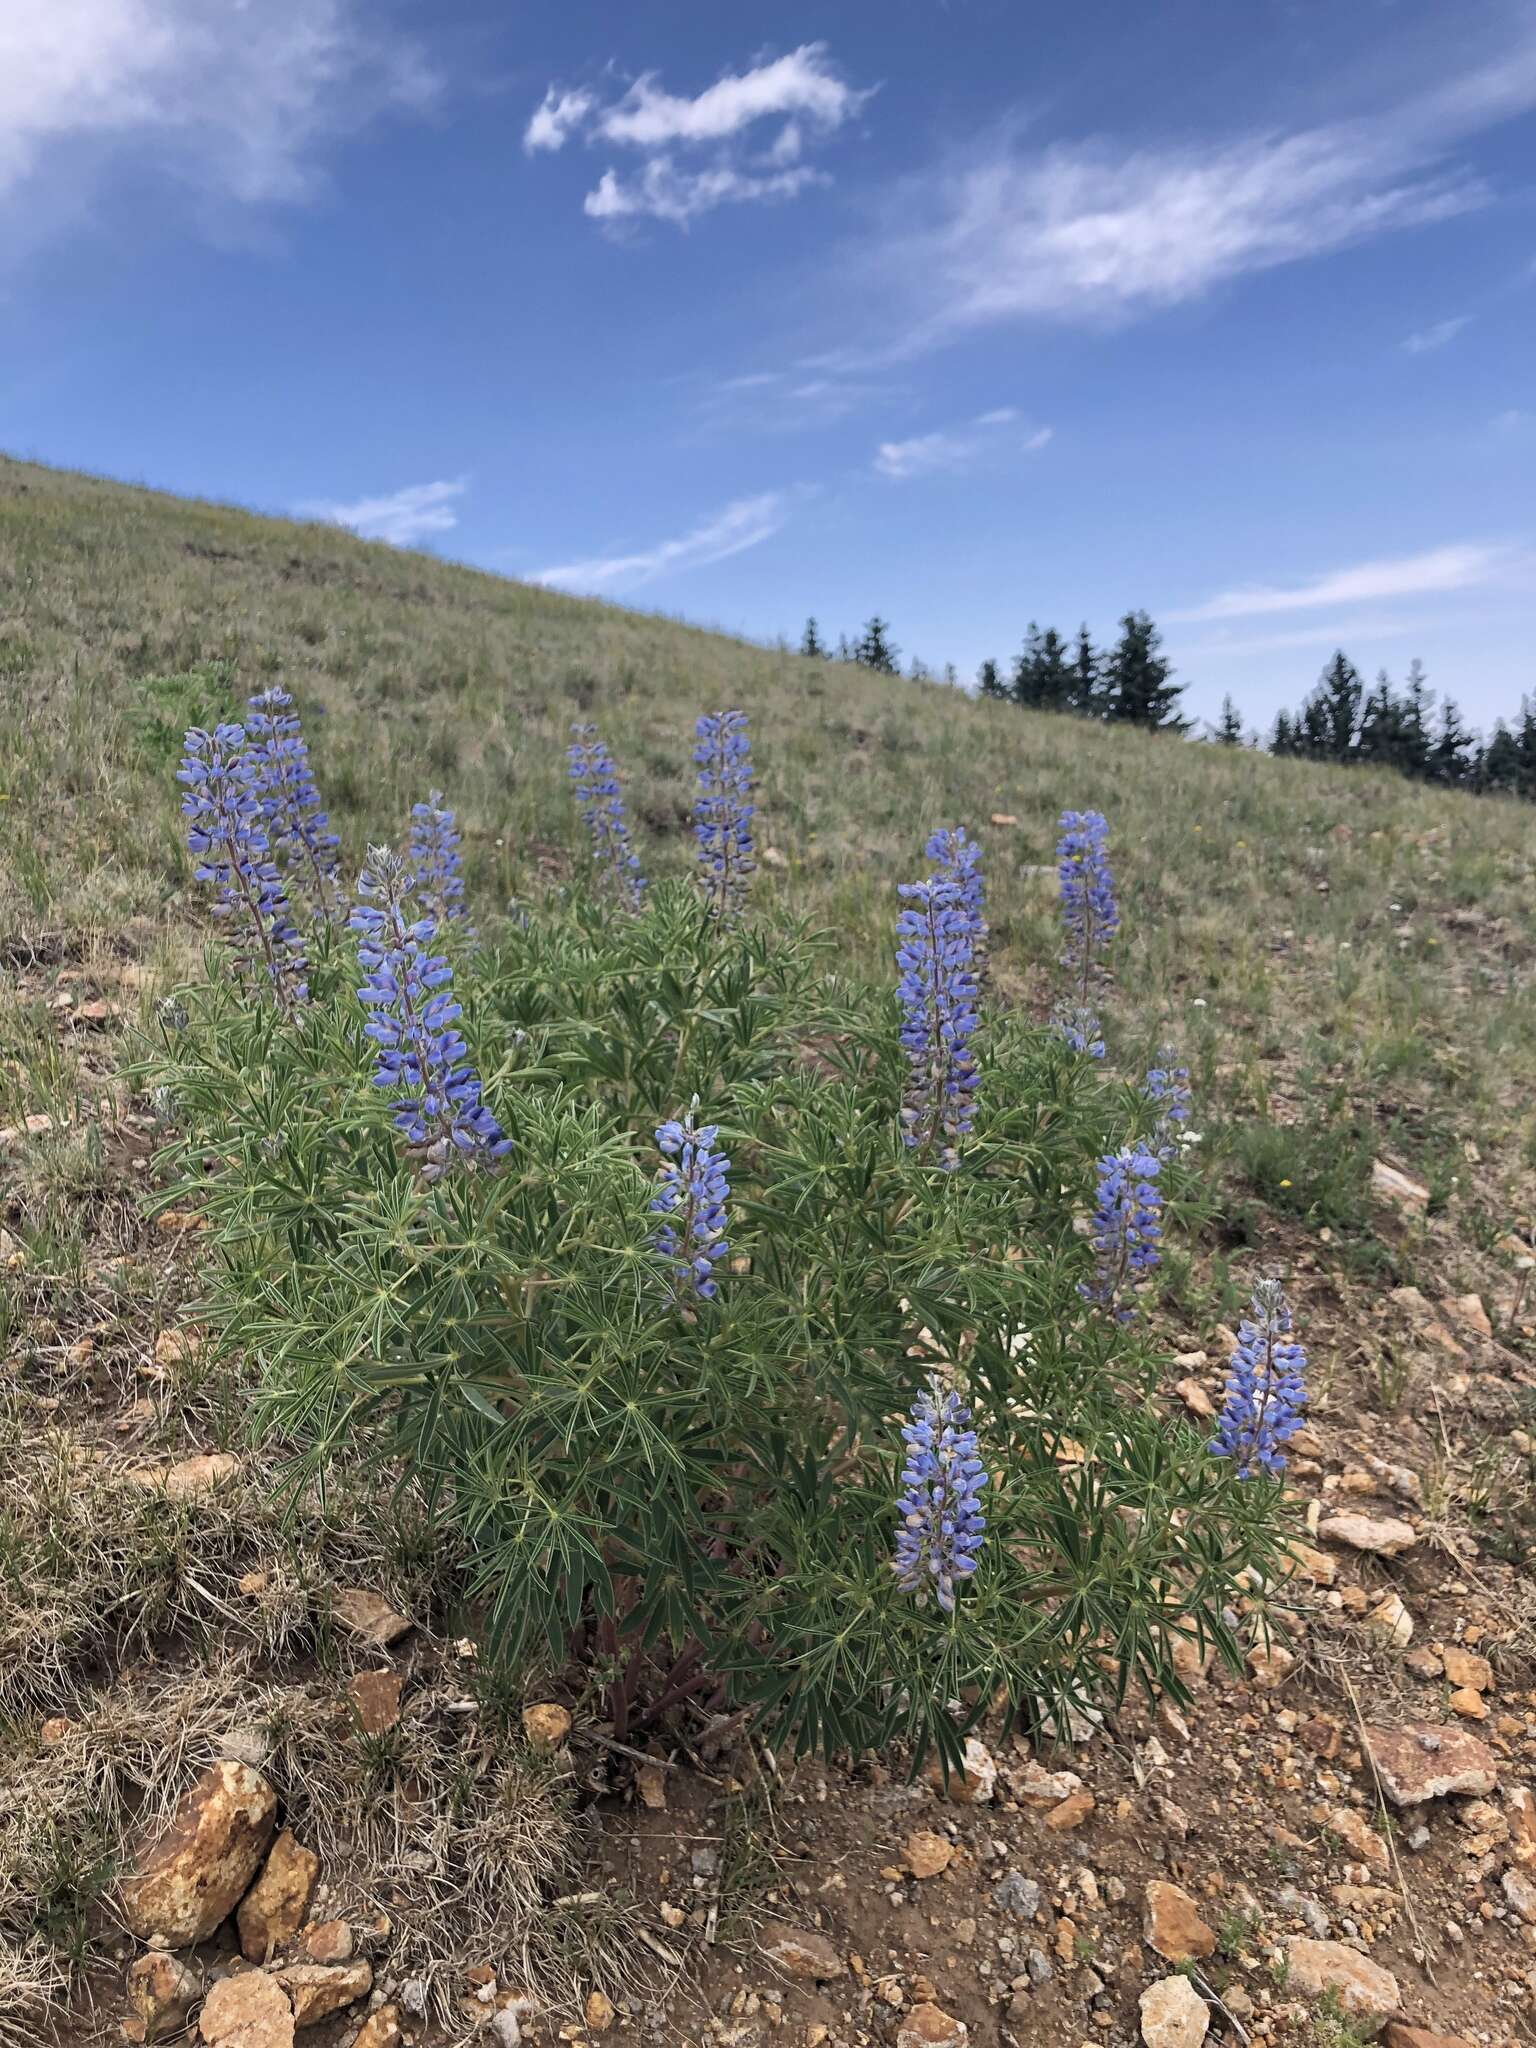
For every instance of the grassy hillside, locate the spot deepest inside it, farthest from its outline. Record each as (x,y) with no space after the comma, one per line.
(1333,951)
(1345,962)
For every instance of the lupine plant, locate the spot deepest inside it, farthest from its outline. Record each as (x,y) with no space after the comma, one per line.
(1079,1029)
(938,933)
(1088,911)
(1127,1228)
(298,831)
(691,1194)
(1266,1388)
(957,858)
(407,992)
(723,811)
(680,1474)
(437,863)
(222,802)
(595,781)
(1167,1089)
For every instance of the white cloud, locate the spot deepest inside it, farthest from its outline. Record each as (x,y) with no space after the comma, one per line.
(1089,231)
(556,118)
(233,100)
(802,91)
(403,518)
(953,449)
(1428,339)
(1341,633)
(663,192)
(1461,566)
(743,524)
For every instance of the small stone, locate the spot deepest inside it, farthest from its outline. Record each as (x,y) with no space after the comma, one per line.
(1269,1667)
(1356,1833)
(319,1989)
(1398,2035)
(1521,1894)
(1387,1537)
(1071,1813)
(368,1616)
(1397,1188)
(380,2029)
(328,1941)
(547,1725)
(1173,2014)
(1392,1620)
(1018,1894)
(1196,1399)
(926,2026)
(374,1698)
(248,2011)
(177,1347)
(186,1882)
(1466,1668)
(975,1783)
(1420,1762)
(1469,1704)
(1171,1924)
(801,1952)
(273,1910)
(600,2012)
(1521,1807)
(928,1855)
(1366,1993)
(1468,1310)
(1423,1663)
(188,1478)
(1034,1785)
(162,1990)
(651,1785)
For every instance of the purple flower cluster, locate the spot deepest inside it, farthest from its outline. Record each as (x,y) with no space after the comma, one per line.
(1167,1089)
(692,1191)
(223,804)
(1079,1028)
(940,933)
(1127,1228)
(298,830)
(1266,1388)
(1088,910)
(596,783)
(436,862)
(722,811)
(941,1525)
(413,1019)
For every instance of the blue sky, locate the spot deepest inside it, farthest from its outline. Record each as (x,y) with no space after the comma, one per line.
(964,311)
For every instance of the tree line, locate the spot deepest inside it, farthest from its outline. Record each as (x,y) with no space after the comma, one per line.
(1130,682)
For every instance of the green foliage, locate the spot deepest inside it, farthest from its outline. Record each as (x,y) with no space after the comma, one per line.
(701,1500)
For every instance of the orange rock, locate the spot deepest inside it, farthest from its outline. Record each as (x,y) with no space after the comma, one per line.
(273,1910)
(546,1725)
(1467,1668)
(928,1855)
(186,1882)
(1071,1813)
(374,1697)
(368,1616)
(1171,1924)
(248,2011)
(319,1989)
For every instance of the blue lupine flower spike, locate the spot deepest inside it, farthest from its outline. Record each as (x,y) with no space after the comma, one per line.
(941,1525)
(1079,1028)
(1127,1228)
(957,858)
(222,802)
(1088,910)
(1266,1389)
(722,811)
(692,1192)
(437,864)
(596,783)
(413,1020)
(298,830)
(937,933)
(1167,1089)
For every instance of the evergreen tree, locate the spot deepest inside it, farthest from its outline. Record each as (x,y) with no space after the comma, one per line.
(1413,725)
(1285,739)
(920,671)
(1228,729)
(844,651)
(810,642)
(1314,736)
(1497,766)
(1087,678)
(989,680)
(876,649)
(1450,757)
(1136,679)
(1381,718)
(1339,693)
(951,675)
(1525,749)
(1025,685)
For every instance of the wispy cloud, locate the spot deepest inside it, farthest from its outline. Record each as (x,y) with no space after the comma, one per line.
(403,518)
(1091,232)
(1461,566)
(955,448)
(801,91)
(233,101)
(744,523)
(1427,339)
(1336,633)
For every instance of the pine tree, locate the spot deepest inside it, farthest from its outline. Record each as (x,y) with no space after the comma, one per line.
(876,650)
(1525,747)
(1087,677)
(1025,686)
(810,642)
(1381,719)
(1054,684)
(1450,757)
(1339,694)
(989,681)
(951,675)
(920,672)
(1228,729)
(844,651)
(1136,679)
(1497,766)
(1285,740)
(1314,736)
(1413,725)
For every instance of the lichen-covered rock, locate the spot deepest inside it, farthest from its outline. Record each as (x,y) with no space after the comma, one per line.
(1420,1762)
(1173,2014)
(248,2011)
(380,2029)
(319,1989)
(273,1910)
(162,1990)
(1366,1993)
(187,1881)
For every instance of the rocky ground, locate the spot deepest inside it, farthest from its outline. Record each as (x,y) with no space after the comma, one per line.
(312,1828)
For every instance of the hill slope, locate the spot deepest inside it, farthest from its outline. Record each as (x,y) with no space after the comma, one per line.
(1343,959)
